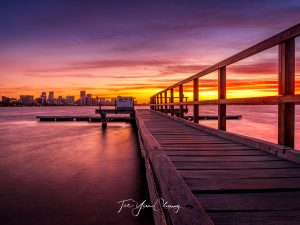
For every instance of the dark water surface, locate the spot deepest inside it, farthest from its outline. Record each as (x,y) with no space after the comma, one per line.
(74,173)
(70,173)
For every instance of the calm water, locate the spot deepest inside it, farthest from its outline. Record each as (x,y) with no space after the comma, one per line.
(74,173)
(68,173)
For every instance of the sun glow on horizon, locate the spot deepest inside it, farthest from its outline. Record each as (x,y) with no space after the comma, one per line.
(107,52)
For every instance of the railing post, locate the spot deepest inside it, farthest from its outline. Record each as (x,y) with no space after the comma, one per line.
(161,102)
(181,113)
(156,102)
(286,111)
(196,98)
(166,101)
(153,102)
(172,101)
(222,95)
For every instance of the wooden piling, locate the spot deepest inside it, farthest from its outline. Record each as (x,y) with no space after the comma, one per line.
(104,120)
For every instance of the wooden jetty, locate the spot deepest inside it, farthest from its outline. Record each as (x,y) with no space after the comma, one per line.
(215,176)
(218,177)
(123,105)
(82,118)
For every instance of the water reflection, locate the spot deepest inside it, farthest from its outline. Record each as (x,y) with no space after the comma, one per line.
(68,173)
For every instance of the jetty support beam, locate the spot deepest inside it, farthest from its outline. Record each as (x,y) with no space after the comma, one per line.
(286,111)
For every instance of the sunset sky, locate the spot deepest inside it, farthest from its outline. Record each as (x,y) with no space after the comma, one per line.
(137,48)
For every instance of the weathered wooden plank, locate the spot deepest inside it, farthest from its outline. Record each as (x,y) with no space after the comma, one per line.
(195,142)
(162,135)
(242,173)
(168,133)
(250,201)
(187,133)
(234,165)
(184,137)
(208,144)
(216,152)
(282,217)
(242,184)
(206,148)
(159,217)
(228,158)
(190,140)
(291,154)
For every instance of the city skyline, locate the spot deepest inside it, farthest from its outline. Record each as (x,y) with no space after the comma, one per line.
(85,99)
(138,47)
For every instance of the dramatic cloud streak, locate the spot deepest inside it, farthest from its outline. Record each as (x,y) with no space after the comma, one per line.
(134,47)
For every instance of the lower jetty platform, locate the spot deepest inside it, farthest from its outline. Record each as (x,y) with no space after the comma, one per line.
(82,118)
(217,177)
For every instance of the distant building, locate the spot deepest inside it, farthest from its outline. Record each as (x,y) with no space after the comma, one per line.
(125,103)
(27,99)
(113,101)
(51,97)
(5,100)
(82,98)
(95,101)
(89,99)
(70,100)
(60,100)
(13,101)
(102,101)
(43,98)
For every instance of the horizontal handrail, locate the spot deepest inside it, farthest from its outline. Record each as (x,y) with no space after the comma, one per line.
(292,32)
(268,100)
(285,100)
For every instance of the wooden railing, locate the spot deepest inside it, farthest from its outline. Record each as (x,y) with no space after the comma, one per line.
(285,100)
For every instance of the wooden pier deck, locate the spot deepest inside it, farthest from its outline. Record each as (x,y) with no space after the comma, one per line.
(215,176)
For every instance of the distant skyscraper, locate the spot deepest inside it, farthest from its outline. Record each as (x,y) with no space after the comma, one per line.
(95,101)
(70,100)
(102,101)
(82,98)
(60,100)
(43,97)
(51,97)
(26,99)
(5,100)
(89,99)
